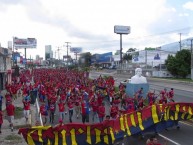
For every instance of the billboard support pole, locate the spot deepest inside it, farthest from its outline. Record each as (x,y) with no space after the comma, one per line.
(121,49)
(25,57)
(13,54)
(121,30)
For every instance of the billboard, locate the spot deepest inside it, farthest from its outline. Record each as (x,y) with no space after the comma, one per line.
(24,43)
(15,56)
(76,49)
(150,56)
(104,58)
(121,29)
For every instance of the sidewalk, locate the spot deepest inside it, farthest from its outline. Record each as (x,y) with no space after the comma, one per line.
(7,137)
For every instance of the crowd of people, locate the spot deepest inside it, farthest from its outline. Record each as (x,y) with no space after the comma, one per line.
(72,92)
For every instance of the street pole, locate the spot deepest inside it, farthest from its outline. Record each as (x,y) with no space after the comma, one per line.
(67,51)
(25,58)
(121,30)
(121,49)
(13,53)
(191,60)
(180,42)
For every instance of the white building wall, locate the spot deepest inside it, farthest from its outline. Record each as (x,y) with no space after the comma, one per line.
(151,57)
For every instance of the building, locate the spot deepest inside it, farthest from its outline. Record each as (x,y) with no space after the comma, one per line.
(104,59)
(48,52)
(37,57)
(151,57)
(5,66)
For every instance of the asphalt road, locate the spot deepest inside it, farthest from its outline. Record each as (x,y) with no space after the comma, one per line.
(174,136)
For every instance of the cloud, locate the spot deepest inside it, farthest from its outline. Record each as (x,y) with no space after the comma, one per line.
(10,2)
(171,22)
(183,14)
(188,5)
(38,13)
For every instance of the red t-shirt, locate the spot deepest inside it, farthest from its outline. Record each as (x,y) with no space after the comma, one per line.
(171,94)
(114,111)
(95,106)
(70,105)
(83,108)
(26,105)
(10,109)
(44,110)
(52,107)
(101,111)
(61,107)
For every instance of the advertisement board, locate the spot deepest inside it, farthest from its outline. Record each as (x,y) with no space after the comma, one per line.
(24,43)
(105,57)
(76,49)
(150,56)
(121,29)
(15,56)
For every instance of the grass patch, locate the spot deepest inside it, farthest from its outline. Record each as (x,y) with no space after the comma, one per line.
(177,79)
(116,89)
(13,137)
(18,112)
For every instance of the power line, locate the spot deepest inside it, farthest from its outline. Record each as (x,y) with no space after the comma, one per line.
(139,37)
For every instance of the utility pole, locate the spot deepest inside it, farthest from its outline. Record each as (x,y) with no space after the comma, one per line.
(180,42)
(67,51)
(58,53)
(55,54)
(191,58)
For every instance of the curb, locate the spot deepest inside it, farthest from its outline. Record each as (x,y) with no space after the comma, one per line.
(169,80)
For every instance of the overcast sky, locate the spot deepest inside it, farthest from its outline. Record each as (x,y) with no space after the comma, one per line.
(90,23)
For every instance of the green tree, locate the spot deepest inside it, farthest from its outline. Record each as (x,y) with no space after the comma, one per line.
(179,65)
(128,55)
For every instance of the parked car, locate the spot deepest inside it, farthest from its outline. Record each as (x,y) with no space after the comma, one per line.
(113,67)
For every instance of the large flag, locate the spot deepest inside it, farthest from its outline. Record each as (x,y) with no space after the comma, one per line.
(155,117)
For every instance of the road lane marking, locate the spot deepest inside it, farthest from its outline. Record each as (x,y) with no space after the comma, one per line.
(186,123)
(170,140)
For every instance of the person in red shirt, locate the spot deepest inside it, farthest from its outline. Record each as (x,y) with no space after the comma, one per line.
(61,107)
(70,109)
(14,92)
(101,112)
(171,95)
(95,106)
(1,119)
(10,108)
(77,106)
(83,111)
(26,104)
(164,96)
(113,112)
(8,99)
(52,108)
(44,111)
